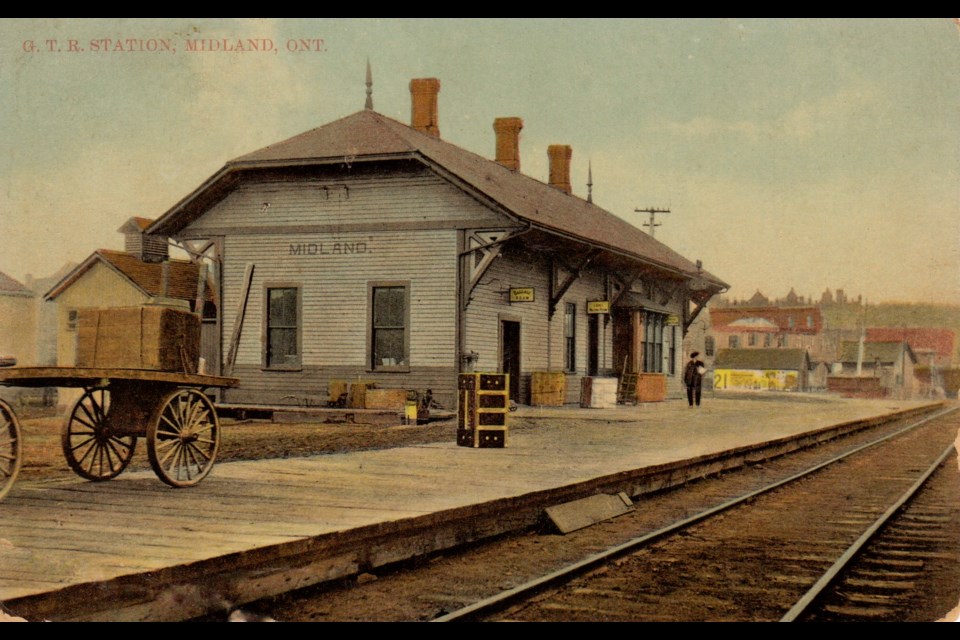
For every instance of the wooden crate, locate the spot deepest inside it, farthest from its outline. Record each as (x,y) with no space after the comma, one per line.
(357,396)
(651,387)
(148,337)
(386,399)
(598,393)
(548,388)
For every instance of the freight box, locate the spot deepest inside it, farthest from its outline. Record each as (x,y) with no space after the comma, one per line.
(598,393)
(386,399)
(149,337)
(482,410)
(651,387)
(548,388)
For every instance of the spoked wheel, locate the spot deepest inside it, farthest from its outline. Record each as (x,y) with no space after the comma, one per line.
(183,437)
(11,448)
(91,449)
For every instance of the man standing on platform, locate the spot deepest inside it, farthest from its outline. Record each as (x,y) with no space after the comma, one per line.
(693,378)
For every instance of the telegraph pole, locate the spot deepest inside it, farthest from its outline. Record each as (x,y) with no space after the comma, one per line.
(653,224)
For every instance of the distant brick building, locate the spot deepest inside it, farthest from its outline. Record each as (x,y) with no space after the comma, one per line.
(771,327)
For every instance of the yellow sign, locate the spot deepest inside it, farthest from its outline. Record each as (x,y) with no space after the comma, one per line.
(756,379)
(524,294)
(673,321)
(598,306)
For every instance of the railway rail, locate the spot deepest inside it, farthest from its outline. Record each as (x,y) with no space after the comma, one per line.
(749,577)
(523,569)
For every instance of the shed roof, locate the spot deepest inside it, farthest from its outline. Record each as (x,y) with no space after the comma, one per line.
(781,359)
(370,136)
(887,352)
(146,276)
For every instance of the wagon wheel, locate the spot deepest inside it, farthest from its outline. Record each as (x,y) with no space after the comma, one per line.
(183,437)
(11,449)
(91,449)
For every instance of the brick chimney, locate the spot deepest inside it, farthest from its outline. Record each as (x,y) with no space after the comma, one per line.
(559,155)
(423,99)
(508,142)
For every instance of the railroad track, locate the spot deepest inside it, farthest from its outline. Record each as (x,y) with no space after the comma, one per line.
(801,548)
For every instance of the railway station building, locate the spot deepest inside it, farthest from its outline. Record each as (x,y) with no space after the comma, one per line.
(369,249)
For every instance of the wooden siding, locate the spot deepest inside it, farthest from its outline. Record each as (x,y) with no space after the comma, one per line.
(334,289)
(515,268)
(333,283)
(590,286)
(542,340)
(413,197)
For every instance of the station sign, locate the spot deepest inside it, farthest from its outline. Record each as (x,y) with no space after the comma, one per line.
(598,306)
(521,294)
(673,320)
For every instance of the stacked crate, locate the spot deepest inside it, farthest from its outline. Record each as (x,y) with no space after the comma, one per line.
(154,338)
(483,405)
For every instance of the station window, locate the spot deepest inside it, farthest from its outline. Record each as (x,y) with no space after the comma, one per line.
(72,317)
(708,345)
(570,337)
(389,344)
(282,327)
(734,342)
(768,339)
(673,350)
(752,339)
(653,324)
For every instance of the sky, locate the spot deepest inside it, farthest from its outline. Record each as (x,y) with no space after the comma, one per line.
(810,154)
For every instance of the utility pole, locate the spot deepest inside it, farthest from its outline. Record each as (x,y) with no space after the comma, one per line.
(653,211)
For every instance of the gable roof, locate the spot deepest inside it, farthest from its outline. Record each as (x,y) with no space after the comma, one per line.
(370,136)
(145,276)
(887,352)
(779,359)
(11,287)
(136,223)
(926,338)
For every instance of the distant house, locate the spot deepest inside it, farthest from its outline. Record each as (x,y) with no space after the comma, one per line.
(930,345)
(18,321)
(141,275)
(891,363)
(47,313)
(761,370)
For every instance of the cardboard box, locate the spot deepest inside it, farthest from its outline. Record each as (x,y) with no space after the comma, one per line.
(149,337)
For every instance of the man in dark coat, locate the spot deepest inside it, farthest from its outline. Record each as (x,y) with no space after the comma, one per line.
(693,378)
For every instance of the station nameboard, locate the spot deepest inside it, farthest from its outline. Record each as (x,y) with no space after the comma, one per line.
(598,306)
(673,321)
(522,294)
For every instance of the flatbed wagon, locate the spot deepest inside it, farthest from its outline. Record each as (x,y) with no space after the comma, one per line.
(117,407)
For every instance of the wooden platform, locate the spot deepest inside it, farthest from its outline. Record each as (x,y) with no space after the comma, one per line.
(133,549)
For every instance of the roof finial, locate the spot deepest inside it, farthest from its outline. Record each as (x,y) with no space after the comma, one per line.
(589,181)
(369,103)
